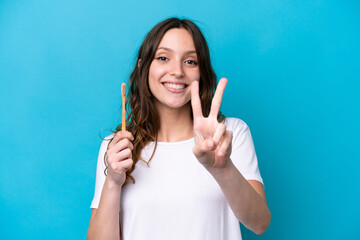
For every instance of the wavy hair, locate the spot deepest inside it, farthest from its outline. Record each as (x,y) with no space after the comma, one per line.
(140,100)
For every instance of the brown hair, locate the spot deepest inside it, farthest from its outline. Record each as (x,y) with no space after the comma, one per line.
(140,99)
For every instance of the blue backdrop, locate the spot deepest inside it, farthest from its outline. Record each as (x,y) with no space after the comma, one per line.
(293,70)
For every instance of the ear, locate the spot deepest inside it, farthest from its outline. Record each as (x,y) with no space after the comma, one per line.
(139,62)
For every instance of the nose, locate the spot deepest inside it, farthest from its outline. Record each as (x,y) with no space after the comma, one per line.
(177,70)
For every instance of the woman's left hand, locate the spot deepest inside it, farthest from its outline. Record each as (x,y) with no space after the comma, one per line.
(212,140)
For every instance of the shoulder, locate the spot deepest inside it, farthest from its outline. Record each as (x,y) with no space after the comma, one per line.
(235,124)
(111,136)
(106,141)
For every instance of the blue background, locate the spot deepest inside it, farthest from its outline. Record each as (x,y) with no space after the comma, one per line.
(293,70)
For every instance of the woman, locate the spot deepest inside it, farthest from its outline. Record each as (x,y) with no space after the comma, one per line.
(198,173)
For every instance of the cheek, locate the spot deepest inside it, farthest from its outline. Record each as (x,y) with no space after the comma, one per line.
(156,71)
(195,75)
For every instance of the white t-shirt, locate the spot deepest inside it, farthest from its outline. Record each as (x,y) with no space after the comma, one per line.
(176,197)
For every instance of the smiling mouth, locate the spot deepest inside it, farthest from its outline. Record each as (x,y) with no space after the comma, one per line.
(177,86)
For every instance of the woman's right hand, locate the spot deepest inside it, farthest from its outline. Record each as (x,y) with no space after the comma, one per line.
(119,157)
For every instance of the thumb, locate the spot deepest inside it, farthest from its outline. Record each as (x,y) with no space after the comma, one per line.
(200,149)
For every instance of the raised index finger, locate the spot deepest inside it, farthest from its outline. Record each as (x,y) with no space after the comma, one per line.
(195,100)
(216,102)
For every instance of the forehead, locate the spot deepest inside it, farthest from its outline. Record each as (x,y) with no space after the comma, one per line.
(177,38)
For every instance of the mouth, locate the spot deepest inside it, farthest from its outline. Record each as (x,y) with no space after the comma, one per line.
(175,87)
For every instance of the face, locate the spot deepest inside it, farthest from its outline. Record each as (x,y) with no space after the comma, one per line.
(173,69)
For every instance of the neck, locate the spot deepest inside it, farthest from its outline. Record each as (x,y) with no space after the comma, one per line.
(175,124)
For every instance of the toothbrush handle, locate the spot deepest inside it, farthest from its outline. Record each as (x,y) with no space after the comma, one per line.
(123,125)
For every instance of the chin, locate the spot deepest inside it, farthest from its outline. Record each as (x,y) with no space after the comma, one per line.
(176,105)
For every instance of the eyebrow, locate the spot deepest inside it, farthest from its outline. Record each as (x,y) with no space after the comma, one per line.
(169,49)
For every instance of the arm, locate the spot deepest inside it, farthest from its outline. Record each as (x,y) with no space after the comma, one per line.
(213,147)
(105,221)
(246,198)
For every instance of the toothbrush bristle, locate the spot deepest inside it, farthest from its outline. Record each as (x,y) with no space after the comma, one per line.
(123,89)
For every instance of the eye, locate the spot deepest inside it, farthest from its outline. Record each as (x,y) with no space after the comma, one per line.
(162,58)
(191,62)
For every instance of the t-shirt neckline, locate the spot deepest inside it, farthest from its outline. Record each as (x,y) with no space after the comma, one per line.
(175,143)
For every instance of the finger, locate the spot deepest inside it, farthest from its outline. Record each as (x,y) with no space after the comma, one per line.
(120,135)
(200,149)
(219,132)
(120,156)
(195,100)
(127,163)
(225,145)
(122,144)
(123,166)
(216,102)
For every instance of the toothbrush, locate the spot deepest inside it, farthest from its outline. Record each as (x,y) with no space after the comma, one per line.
(123,94)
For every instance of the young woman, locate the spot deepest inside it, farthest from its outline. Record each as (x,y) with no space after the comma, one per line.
(181,171)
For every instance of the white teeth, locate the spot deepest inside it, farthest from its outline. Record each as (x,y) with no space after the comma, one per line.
(175,86)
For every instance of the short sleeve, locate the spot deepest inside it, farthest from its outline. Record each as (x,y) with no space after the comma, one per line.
(243,151)
(100,176)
